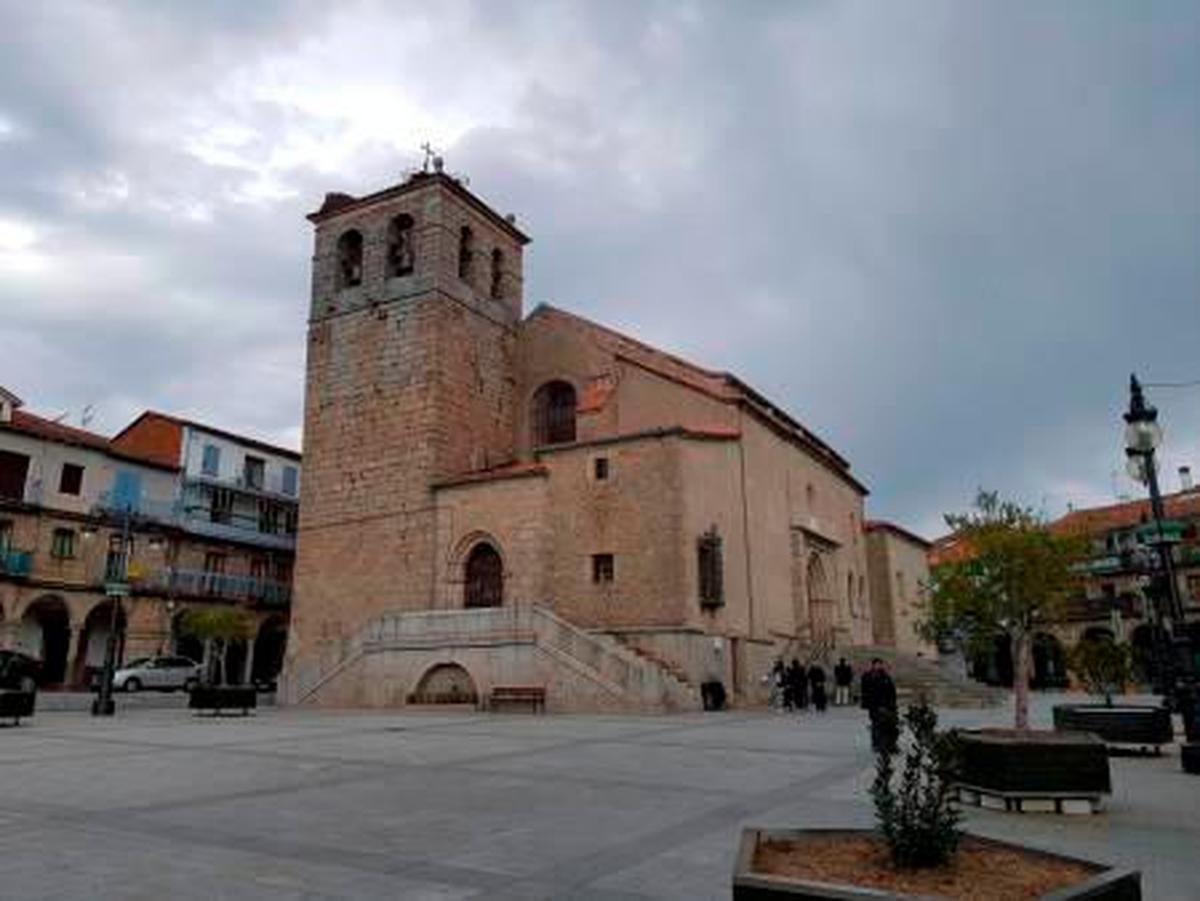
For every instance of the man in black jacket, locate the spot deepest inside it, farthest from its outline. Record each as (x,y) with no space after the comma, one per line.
(879,700)
(843,678)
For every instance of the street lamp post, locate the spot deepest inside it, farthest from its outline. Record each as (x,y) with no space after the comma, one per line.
(1142,437)
(116,586)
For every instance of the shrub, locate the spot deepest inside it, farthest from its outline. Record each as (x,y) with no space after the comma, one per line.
(1104,666)
(914,813)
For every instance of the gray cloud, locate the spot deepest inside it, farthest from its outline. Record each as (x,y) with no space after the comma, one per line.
(941,234)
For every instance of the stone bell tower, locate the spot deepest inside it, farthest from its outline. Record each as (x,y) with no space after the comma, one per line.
(416,298)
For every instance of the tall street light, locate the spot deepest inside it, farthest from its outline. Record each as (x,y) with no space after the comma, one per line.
(116,586)
(1142,438)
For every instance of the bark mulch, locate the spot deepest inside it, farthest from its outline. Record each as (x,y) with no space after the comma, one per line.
(979,872)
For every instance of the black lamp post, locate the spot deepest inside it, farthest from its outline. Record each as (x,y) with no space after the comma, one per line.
(116,586)
(1142,437)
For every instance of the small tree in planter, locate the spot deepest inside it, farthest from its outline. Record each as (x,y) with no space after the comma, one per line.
(916,817)
(217,627)
(1014,573)
(1104,666)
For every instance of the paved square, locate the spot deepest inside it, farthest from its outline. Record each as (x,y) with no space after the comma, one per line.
(308,804)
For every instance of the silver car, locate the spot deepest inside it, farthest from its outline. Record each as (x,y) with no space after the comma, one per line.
(158,673)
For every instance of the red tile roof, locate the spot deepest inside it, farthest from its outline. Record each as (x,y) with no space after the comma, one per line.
(48,430)
(720,385)
(1093,520)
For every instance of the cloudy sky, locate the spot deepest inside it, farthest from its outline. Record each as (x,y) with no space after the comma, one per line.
(941,233)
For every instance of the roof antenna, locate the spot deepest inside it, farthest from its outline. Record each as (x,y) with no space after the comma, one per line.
(88,414)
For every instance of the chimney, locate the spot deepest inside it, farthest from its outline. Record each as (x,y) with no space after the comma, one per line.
(1185,478)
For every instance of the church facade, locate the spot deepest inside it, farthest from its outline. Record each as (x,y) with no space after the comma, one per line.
(500,499)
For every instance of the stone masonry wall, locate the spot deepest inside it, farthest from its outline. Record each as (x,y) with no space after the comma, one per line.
(409,379)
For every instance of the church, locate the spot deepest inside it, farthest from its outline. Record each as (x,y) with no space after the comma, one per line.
(495,499)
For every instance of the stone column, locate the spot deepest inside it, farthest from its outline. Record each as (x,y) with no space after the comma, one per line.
(75,668)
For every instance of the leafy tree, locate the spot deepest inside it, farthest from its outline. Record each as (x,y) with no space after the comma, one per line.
(916,817)
(1104,666)
(1014,574)
(217,627)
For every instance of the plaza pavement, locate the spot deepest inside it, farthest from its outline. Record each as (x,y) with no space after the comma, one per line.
(156,804)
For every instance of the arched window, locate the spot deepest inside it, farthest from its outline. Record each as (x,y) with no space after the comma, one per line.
(400,249)
(497,290)
(466,253)
(554,414)
(349,259)
(483,578)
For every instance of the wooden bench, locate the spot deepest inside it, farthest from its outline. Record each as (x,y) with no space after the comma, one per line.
(16,704)
(224,697)
(533,695)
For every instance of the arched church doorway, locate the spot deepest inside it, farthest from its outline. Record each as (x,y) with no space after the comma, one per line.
(483,577)
(821,604)
(445,683)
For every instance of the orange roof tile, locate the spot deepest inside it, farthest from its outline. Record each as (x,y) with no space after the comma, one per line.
(720,385)
(1183,504)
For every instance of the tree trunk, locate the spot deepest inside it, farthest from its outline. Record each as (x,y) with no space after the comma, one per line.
(1021,646)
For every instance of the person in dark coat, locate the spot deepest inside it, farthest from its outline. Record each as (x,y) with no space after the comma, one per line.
(816,686)
(798,683)
(879,700)
(843,678)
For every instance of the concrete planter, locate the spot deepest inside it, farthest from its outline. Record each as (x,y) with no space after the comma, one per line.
(1107,883)
(218,698)
(1120,724)
(1034,772)
(1189,756)
(16,704)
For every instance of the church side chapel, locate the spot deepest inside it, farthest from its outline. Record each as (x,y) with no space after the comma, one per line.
(497,501)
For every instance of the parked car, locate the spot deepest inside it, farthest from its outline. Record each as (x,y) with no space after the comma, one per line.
(19,672)
(159,674)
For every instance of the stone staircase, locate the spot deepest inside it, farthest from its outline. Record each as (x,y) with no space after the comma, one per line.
(917,677)
(612,674)
(668,666)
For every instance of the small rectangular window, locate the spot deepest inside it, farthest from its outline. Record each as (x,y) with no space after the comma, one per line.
(6,531)
(602,568)
(210,465)
(601,469)
(221,510)
(710,567)
(70,480)
(62,544)
(269,514)
(254,472)
(214,569)
(291,477)
(13,470)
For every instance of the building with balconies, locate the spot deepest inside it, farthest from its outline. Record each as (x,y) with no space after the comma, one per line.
(211,520)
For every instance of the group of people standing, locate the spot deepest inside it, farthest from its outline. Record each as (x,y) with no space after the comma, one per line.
(795,686)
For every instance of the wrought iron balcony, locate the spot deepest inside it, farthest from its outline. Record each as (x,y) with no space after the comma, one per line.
(201,583)
(15,563)
(165,512)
